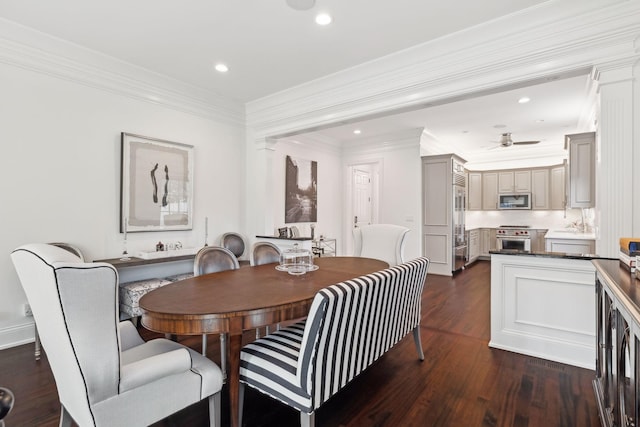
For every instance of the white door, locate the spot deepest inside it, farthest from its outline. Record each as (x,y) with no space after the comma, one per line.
(361,197)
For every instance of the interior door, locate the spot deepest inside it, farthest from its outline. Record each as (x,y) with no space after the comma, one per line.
(361,197)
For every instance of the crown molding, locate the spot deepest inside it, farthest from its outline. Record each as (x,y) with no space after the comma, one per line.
(400,140)
(35,51)
(554,38)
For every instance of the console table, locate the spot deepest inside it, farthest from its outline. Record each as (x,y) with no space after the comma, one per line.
(284,243)
(617,382)
(140,269)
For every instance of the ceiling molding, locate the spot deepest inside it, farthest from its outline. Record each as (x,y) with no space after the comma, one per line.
(35,51)
(537,43)
(405,139)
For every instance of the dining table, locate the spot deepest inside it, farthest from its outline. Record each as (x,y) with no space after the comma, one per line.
(233,301)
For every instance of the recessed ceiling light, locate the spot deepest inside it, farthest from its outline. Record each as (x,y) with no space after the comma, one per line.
(323,19)
(222,68)
(499,126)
(524,100)
(539,121)
(301,4)
(357,131)
(465,131)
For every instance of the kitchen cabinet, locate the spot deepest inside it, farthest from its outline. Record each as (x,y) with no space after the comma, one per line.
(544,306)
(540,189)
(571,246)
(474,191)
(441,212)
(518,181)
(537,240)
(487,241)
(557,188)
(473,240)
(490,191)
(546,185)
(582,155)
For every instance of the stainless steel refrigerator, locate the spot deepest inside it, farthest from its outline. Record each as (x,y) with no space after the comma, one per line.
(459,237)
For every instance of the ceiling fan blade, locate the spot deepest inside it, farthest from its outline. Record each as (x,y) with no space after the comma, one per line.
(525,142)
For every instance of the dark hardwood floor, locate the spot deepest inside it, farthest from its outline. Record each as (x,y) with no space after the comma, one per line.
(462,382)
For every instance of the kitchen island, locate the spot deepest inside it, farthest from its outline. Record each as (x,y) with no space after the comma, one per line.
(543,305)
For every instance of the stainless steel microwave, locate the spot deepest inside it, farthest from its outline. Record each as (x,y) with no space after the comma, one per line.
(514,201)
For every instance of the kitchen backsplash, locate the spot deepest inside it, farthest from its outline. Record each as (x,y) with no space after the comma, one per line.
(536,219)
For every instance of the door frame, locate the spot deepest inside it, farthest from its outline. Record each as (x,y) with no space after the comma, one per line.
(376,184)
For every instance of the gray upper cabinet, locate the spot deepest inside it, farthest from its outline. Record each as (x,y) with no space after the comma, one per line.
(540,189)
(557,187)
(582,162)
(489,191)
(474,191)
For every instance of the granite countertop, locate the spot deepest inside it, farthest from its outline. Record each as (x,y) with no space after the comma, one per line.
(569,234)
(545,254)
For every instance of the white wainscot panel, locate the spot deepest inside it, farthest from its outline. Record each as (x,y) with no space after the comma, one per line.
(544,308)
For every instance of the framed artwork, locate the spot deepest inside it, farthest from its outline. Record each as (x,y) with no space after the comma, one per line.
(301,192)
(156,191)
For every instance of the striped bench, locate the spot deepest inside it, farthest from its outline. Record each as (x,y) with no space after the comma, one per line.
(350,325)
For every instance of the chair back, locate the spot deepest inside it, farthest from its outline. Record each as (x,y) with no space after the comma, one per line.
(380,241)
(353,323)
(234,242)
(264,253)
(71,300)
(212,259)
(69,247)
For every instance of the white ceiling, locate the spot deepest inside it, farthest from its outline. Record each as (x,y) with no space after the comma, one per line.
(270,47)
(267,45)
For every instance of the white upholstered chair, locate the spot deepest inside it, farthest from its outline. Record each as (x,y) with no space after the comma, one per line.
(75,251)
(106,375)
(380,241)
(212,259)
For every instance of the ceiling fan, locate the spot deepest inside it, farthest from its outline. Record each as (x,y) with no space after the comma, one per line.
(506,141)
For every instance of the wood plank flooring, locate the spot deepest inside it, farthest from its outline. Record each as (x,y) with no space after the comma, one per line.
(461,382)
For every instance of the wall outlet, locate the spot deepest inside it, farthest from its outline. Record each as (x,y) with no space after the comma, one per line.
(26,309)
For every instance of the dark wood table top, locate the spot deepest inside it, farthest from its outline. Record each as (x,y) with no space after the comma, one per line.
(250,290)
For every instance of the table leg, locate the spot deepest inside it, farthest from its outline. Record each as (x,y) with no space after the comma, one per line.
(233,380)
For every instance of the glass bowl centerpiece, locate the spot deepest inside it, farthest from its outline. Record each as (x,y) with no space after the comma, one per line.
(296,261)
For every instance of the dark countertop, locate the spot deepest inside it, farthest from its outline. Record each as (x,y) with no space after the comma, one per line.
(544,254)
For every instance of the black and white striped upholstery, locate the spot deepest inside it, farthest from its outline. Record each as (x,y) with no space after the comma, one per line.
(350,325)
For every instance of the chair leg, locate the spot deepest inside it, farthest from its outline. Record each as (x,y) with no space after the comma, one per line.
(307,420)
(214,410)
(223,357)
(416,338)
(204,345)
(65,418)
(36,351)
(240,403)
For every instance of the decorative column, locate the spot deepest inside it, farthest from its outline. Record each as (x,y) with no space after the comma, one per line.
(260,186)
(614,157)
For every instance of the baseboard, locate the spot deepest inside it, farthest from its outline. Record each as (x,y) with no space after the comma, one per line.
(18,334)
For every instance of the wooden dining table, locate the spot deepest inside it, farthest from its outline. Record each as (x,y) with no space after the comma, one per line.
(244,299)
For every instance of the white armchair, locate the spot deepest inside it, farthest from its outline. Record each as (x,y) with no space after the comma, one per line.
(106,375)
(380,241)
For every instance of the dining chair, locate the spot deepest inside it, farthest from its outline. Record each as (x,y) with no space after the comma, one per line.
(75,251)
(381,241)
(235,242)
(212,259)
(264,253)
(105,373)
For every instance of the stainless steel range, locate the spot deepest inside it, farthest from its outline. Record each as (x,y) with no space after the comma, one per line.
(514,237)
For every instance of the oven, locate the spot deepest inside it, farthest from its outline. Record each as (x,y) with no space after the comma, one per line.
(513,238)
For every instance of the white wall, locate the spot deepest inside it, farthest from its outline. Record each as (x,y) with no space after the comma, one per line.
(398,156)
(60,173)
(329,188)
